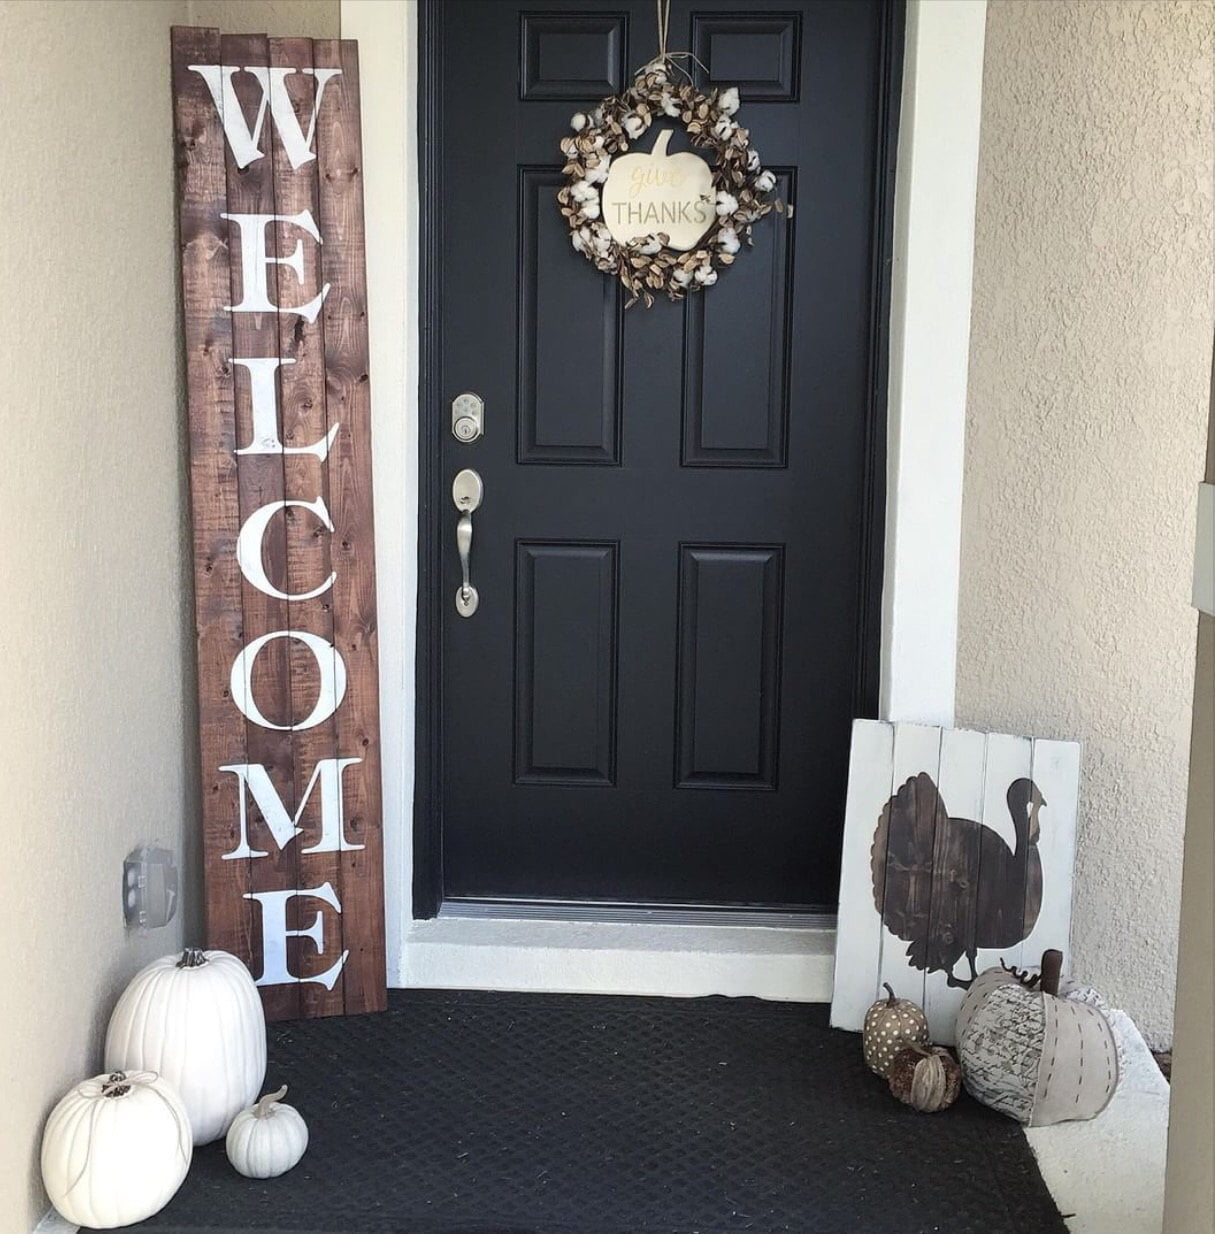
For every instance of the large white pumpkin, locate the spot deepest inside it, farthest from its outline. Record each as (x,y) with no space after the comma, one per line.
(115,1149)
(267,1140)
(197,1020)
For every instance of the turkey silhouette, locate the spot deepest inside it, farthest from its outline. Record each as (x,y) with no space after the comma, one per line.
(948,886)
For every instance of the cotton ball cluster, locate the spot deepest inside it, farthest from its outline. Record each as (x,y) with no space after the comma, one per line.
(728,100)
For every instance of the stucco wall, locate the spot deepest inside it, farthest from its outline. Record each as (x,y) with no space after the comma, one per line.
(1090,349)
(96,652)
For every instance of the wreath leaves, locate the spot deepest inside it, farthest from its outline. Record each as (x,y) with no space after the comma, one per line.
(741,186)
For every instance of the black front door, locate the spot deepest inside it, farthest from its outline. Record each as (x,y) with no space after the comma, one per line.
(678,550)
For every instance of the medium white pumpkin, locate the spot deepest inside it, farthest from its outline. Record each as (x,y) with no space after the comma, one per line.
(197,1020)
(115,1149)
(267,1140)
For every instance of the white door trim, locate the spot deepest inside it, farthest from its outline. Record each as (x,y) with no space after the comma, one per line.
(930,339)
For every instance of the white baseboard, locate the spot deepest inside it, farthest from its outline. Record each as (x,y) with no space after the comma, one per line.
(574,957)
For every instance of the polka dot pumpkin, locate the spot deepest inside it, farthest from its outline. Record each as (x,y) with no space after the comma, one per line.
(891,1024)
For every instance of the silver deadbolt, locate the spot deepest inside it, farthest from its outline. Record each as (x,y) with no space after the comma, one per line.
(467,416)
(466,492)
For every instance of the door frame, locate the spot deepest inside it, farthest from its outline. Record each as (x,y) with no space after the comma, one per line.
(933,236)
(433,528)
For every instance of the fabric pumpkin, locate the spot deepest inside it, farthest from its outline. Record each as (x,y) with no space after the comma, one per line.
(115,1149)
(890,1024)
(267,1140)
(925,1077)
(197,1020)
(1032,1055)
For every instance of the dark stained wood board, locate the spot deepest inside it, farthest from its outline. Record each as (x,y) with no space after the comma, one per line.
(279,412)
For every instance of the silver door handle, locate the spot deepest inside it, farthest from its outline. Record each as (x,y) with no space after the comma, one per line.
(466,492)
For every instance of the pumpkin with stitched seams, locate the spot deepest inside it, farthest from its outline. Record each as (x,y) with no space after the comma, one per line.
(1031,1054)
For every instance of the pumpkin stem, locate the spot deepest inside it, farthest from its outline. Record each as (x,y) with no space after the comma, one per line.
(891,1000)
(115,1085)
(1052,970)
(659,149)
(263,1106)
(192,957)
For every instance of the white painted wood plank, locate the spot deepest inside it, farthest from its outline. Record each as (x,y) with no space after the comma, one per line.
(1008,759)
(963,755)
(1056,772)
(917,747)
(858,943)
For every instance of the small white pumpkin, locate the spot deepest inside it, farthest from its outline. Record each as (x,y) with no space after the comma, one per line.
(115,1149)
(267,1140)
(197,1020)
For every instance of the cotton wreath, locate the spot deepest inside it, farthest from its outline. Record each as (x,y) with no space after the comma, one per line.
(741,185)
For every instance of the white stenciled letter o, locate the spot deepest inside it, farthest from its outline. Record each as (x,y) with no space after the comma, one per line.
(330,666)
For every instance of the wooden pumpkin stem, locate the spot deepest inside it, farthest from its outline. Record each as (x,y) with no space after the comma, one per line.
(1052,970)
(192,957)
(659,149)
(263,1106)
(891,1000)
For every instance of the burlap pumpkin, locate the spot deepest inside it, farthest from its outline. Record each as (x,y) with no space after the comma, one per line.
(925,1077)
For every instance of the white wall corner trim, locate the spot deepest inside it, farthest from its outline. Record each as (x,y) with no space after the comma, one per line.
(1204,552)
(930,329)
(934,223)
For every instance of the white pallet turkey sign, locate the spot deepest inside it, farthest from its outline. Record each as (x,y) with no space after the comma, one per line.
(958,854)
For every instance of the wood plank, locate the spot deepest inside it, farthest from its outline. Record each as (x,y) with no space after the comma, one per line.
(1056,772)
(339,153)
(1000,912)
(305,421)
(858,941)
(917,748)
(955,875)
(215,520)
(260,481)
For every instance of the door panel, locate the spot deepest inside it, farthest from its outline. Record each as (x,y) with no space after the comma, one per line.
(678,549)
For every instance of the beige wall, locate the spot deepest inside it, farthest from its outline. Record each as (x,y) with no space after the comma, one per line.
(96,668)
(1090,349)
(1190,1193)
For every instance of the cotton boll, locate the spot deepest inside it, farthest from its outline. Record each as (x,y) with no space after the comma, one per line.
(578,122)
(752,159)
(650,247)
(634,125)
(658,69)
(724,128)
(599,173)
(681,277)
(728,100)
(584,191)
(728,240)
(671,106)
(727,203)
(765,182)
(706,276)
(590,209)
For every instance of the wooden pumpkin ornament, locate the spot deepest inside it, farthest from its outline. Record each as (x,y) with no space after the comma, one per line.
(197,1020)
(267,1140)
(927,1078)
(659,192)
(1032,1055)
(115,1149)
(890,1024)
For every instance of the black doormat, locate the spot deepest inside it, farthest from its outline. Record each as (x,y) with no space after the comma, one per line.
(478,1113)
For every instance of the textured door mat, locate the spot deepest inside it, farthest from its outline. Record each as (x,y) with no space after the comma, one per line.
(479,1113)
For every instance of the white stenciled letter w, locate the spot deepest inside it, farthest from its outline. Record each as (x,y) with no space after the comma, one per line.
(246,141)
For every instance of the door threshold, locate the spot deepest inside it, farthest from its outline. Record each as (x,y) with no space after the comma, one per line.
(636,914)
(667,959)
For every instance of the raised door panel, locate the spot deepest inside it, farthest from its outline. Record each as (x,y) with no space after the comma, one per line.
(565,663)
(728,704)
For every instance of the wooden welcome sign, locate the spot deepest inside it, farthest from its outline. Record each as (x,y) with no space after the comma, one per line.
(274,288)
